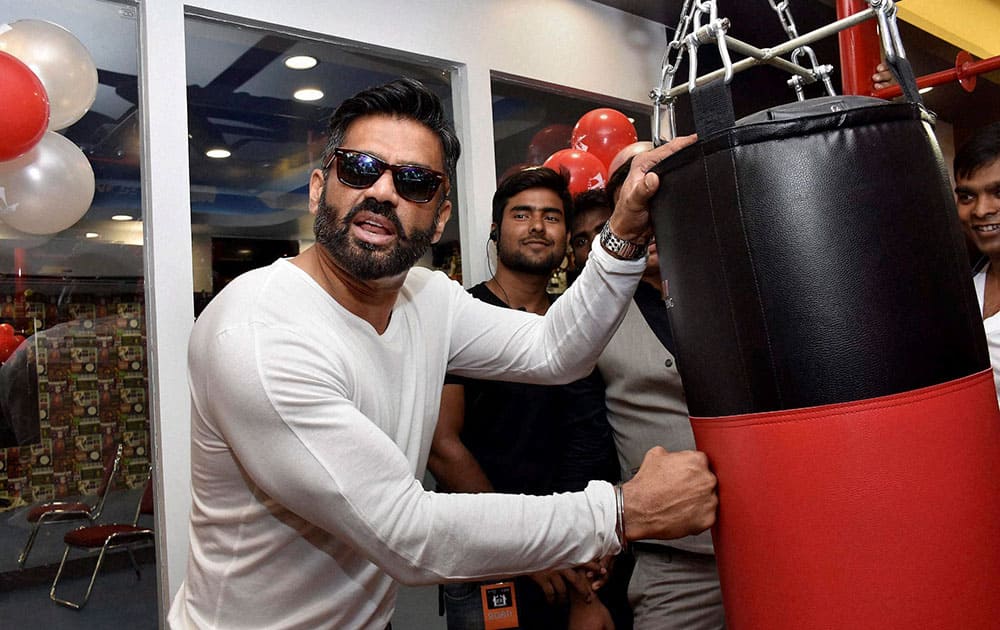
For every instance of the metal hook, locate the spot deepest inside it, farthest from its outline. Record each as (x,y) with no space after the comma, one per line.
(714,30)
(892,43)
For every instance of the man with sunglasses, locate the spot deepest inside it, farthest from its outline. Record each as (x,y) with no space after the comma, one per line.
(316,382)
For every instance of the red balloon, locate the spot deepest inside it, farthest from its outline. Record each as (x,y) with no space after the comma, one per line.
(603,132)
(547,141)
(582,170)
(26,108)
(7,347)
(6,330)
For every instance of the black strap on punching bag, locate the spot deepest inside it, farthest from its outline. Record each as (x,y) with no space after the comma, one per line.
(713,108)
(903,72)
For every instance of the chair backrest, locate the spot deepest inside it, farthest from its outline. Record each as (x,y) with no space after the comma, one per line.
(146,501)
(111,465)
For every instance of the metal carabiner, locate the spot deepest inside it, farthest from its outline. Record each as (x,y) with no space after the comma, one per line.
(720,36)
(892,43)
(715,29)
(820,72)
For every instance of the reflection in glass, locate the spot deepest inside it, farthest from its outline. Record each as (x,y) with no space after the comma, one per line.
(530,123)
(75,385)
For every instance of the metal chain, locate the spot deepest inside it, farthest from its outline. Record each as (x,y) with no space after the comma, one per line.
(672,58)
(822,72)
(676,49)
(785,15)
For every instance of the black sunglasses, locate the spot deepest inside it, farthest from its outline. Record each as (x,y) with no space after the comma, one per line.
(361,170)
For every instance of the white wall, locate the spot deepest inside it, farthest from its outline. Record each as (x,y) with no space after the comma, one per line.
(573,43)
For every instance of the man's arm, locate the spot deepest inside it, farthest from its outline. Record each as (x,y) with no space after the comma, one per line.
(563,345)
(451,463)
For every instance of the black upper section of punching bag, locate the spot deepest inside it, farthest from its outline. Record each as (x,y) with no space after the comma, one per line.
(814,257)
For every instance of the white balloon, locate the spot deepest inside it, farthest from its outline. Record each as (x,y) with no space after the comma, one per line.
(11,238)
(47,189)
(62,63)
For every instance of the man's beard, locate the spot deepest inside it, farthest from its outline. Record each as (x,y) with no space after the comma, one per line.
(515,260)
(363,260)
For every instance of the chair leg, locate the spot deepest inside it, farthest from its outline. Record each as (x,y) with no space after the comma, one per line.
(135,565)
(55,582)
(90,587)
(21,559)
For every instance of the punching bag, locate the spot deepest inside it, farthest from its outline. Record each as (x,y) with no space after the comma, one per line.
(835,366)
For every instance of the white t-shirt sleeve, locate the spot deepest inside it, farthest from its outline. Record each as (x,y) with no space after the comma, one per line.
(505,344)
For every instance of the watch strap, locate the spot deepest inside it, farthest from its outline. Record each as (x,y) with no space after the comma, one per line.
(619,247)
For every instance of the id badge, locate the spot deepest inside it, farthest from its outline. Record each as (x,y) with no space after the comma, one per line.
(499,605)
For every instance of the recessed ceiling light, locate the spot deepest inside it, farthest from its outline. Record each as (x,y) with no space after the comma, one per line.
(308,94)
(122,217)
(301,62)
(926,89)
(218,153)
(91,234)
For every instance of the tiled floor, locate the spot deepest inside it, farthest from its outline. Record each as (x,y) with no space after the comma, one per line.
(118,600)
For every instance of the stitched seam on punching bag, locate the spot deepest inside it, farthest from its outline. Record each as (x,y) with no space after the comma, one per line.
(756,284)
(725,278)
(853,408)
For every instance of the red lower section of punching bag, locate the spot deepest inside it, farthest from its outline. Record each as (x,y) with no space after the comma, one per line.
(876,514)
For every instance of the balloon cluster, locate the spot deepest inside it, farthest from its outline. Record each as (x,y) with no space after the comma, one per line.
(9,341)
(583,153)
(48,81)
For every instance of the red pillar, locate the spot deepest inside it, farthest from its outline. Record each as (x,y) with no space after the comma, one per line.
(860,49)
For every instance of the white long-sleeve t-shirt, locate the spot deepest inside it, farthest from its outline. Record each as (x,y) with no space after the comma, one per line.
(310,432)
(991,325)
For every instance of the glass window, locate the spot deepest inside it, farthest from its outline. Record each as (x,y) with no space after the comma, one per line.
(73,386)
(259,102)
(531,122)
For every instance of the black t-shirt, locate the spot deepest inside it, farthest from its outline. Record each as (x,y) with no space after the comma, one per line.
(532,439)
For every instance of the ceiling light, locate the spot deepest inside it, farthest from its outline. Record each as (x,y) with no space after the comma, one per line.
(91,234)
(926,89)
(122,217)
(218,153)
(300,62)
(308,94)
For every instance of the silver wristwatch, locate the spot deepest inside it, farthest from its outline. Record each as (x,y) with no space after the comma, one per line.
(619,247)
